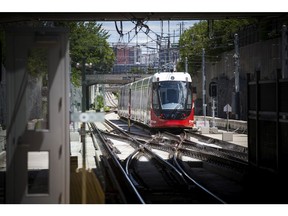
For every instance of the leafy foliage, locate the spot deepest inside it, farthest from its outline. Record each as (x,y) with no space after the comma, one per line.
(37,62)
(99,102)
(215,38)
(136,70)
(89,41)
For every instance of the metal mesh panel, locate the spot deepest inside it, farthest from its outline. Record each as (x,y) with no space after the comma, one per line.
(252,97)
(267,147)
(267,97)
(252,141)
(283,147)
(283,90)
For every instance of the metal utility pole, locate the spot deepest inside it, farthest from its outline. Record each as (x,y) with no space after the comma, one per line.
(83,132)
(83,85)
(174,36)
(0,61)
(169,44)
(204,85)
(161,29)
(284,52)
(213,112)
(186,64)
(236,57)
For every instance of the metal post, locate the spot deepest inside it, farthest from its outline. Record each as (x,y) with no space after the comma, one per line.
(227,113)
(248,95)
(258,135)
(83,133)
(84,89)
(169,45)
(284,52)
(278,128)
(236,57)
(129,110)
(0,62)
(204,85)
(213,112)
(186,64)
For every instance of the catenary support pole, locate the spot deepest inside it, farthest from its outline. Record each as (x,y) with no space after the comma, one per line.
(204,85)
(237,86)
(83,133)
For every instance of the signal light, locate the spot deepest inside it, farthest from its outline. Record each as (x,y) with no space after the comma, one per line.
(213,89)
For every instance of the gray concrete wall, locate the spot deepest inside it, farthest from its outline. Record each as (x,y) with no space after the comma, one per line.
(3,112)
(264,56)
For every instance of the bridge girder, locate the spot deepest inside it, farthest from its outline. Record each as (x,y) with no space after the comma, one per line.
(113,78)
(124,16)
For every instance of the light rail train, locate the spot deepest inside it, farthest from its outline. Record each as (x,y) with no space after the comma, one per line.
(161,101)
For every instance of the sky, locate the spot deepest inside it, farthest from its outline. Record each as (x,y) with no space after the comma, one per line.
(154,28)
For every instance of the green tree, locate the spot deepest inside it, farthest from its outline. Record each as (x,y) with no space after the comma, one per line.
(135,70)
(215,38)
(99,100)
(191,43)
(89,41)
(37,62)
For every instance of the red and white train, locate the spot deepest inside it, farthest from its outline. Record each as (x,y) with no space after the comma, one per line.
(161,101)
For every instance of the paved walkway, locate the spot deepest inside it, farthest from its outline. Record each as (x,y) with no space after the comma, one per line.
(76,150)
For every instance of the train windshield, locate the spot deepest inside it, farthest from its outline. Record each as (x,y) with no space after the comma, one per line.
(170,97)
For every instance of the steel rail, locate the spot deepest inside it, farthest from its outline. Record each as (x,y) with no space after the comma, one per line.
(123,174)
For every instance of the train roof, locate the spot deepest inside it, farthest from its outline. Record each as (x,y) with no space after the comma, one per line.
(166,76)
(170,76)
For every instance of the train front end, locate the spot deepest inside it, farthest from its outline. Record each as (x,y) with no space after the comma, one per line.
(172,101)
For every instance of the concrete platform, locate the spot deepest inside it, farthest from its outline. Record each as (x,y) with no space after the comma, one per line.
(91,191)
(76,150)
(238,139)
(222,123)
(236,134)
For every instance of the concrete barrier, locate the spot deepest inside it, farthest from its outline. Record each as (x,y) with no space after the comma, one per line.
(227,136)
(222,123)
(74,137)
(204,130)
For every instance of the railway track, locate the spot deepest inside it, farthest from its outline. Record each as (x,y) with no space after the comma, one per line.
(168,168)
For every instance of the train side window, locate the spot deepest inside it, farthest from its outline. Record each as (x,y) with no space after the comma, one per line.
(155,102)
(189,96)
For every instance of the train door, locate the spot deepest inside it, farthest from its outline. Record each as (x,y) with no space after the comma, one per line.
(38,116)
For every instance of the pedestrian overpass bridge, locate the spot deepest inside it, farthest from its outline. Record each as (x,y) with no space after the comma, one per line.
(113,78)
(116,80)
